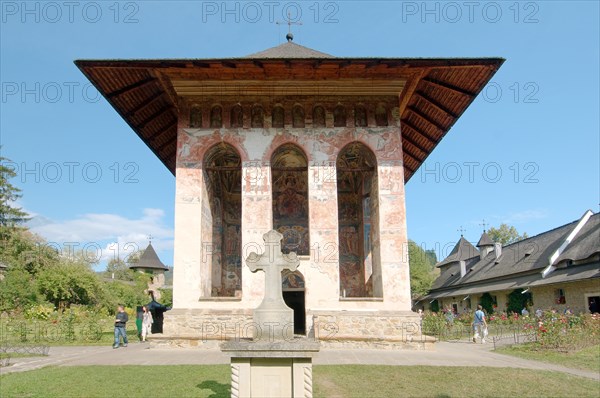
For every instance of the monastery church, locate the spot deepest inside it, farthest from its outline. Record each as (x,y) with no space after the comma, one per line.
(316,147)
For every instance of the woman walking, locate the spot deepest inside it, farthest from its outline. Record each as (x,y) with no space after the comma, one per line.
(146,322)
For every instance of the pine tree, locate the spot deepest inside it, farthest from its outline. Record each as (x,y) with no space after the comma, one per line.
(10,216)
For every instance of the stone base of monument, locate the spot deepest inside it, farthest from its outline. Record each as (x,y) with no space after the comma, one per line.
(271,369)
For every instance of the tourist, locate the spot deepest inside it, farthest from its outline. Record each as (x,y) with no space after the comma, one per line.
(139,313)
(539,313)
(147,322)
(449,316)
(120,324)
(568,311)
(479,325)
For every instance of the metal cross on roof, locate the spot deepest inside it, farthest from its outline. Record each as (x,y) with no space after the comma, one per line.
(150,237)
(289,23)
(484,224)
(462,230)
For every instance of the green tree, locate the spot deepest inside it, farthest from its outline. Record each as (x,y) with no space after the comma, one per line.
(166,297)
(421,270)
(70,282)
(16,292)
(517,300)
(487,302)
(505,234)
(134,257)
(10,216)
(119,269)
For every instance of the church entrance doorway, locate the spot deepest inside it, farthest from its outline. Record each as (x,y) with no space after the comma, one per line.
(293,295)
(295,300)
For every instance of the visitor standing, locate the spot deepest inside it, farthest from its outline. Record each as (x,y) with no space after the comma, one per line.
(147,322)
(120,324)
(479,324)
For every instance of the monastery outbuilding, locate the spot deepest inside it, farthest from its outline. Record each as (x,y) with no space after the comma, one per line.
(557,269)
(314,146)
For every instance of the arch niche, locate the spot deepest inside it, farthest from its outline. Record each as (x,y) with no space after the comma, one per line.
(289,171)
(221,221)
(358,216)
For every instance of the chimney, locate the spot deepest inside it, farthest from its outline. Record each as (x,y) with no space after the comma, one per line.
(463,268)
(497,250)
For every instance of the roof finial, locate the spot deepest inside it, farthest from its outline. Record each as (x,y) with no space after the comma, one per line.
(484,224)
(289,23)
(462,231)
(150,237)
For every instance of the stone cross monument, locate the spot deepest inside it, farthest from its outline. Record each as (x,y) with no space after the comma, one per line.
(273,363)
(274,319)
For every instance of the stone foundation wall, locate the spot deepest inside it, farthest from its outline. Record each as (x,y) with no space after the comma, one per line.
(334,329)
(367,325)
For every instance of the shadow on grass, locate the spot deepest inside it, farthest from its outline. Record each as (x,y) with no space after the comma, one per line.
(219,390)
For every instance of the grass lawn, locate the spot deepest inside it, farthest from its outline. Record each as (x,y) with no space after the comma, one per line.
(329,381)
(588,358)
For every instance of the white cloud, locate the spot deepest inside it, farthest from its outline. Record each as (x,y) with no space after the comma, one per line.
(524,216)
(110,235)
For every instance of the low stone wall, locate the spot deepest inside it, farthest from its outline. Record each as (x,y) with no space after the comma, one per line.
(370,329)
(334,329)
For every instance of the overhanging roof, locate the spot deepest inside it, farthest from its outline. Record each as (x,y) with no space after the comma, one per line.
(436,91)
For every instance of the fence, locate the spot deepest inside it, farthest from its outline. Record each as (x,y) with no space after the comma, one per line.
(499,334)
(57,332)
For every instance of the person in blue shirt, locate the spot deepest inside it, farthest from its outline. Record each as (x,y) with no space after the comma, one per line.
(479,325)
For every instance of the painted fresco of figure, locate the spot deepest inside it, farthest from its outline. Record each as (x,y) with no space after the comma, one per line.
(349,241)
(360,117)
(237,117)
(196,117)
(216,117)
(291,204)
(277,117)
(257,117)
(319,117)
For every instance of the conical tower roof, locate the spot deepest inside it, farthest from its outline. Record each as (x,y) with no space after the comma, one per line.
(463,250)
(149,260)
(485,240)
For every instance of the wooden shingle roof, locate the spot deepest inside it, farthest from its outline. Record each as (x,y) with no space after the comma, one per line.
(521,263)
(149,260)
(436,93)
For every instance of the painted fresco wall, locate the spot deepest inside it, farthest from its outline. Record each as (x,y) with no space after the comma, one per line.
(386,219)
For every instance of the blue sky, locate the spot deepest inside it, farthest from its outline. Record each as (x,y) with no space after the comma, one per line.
(525,153)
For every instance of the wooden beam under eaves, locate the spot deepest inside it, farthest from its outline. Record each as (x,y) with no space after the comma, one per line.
(448,86)
(134,86)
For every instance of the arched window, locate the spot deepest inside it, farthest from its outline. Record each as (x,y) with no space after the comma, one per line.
(289,171)
(278,117)
(360,271)
(318,116)
(196,117)
(236,117)
(216,117)
(298,116)
(339,116)
(221,234)
(360,116)
(258,119)
(381,117)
